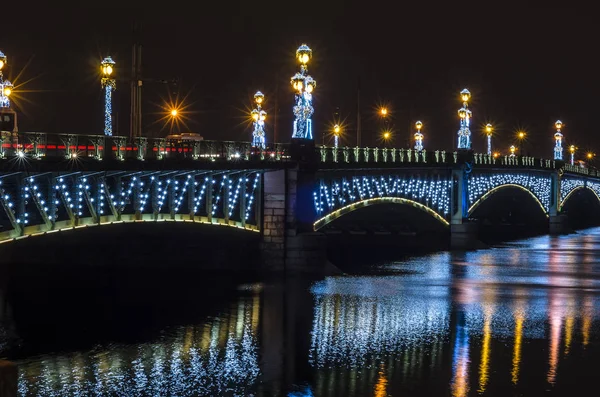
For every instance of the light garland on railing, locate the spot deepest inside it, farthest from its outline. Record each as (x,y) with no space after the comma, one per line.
(251,196)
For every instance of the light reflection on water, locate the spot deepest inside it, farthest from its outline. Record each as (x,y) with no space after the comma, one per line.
(216,358)
(482,313)
(516,320)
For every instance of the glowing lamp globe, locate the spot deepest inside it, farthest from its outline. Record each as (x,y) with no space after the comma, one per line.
(8,87)
(336,129)
(465,95)
(254,114)
(298,81)
(310,84)
(488,128)
(558,124)
(303,53)
(259,97)
(572,148)
(2,60)
(263,115)
(107,66)
(174,112)
(462,113)
(419,125)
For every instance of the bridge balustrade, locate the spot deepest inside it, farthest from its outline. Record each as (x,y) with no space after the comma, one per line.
(39,145)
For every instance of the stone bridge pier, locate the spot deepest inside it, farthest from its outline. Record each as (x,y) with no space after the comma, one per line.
(288,241)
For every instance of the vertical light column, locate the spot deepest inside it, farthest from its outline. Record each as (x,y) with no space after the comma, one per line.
(464,133)
(336,135)
(304,85)
(109,85)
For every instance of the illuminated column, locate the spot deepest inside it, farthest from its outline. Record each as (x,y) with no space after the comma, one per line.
(418,137)
(109,84)
(464,133)
(558,150)
(259,116)
(336,135)
(488,133)
(572,150)
(6,86)
(512,150)
(304,85)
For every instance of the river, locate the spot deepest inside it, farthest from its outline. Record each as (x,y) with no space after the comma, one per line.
(521,319)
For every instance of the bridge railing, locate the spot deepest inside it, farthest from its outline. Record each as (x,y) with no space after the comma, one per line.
(38,145)
(352,155)
(581,170)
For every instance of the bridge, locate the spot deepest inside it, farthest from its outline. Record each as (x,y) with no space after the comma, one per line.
(52,183)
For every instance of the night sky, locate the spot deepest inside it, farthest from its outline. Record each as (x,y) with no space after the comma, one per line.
(525,68)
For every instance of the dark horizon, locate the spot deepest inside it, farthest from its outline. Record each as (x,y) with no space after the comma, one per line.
(525,68)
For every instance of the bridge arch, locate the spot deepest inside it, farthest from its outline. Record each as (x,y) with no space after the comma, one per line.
(88,222)
(491,192)
(483,185)
(322,222)
(569,186)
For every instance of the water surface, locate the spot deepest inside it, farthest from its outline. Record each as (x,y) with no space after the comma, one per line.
(516,320)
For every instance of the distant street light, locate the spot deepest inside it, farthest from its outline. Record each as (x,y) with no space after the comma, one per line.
(464,133)
(174,112)
(258,120)
(558,150)
(109,84)
(572,150)
(512,150)
(304,85)
(387,136)
(418,137)
(488,132)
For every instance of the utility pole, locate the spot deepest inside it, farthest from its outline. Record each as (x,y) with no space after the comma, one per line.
(358,114)
(136,84)
(276,113)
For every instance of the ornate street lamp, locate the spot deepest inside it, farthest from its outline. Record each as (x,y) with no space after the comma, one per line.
(572,150)
(558,150)
(6,86)
(336,135)
(304,85)
(109,84)
(418,137)
(464,133)
(488,132)
(258,121)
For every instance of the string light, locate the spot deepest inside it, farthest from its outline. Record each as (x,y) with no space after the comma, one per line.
(433,192)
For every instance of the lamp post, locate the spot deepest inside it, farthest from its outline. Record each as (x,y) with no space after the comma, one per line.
(6,86)
(336,135)
(464,133)
(521,136)
(558,150)
(488,132)
(512,150)
(259,116)
(109,84)
(572,150)
(418,137)
(304,85)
